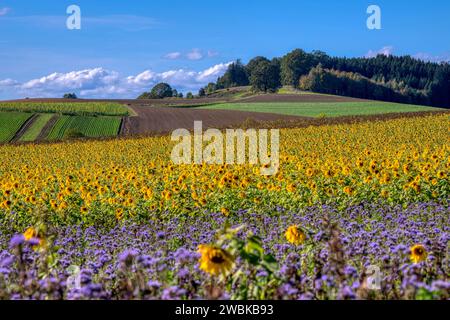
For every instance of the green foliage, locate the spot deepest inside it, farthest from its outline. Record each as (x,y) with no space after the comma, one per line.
(253,63)
(201,92)
(68,108)
(253,257)
(407,80)
(265,76)
(210,88)
(70,96)
(347,84)
(440,88)
(33,132)
(189,95)
(315,109)
(160,91)
(77,127)
(294,65)
(10,123)
(235,76)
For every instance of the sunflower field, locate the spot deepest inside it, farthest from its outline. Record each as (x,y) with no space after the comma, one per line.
(356,211)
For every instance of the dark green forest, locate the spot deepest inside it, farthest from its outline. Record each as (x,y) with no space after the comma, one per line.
(388,78)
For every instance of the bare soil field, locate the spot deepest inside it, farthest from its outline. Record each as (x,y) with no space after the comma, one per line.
(157,120)
(161,120)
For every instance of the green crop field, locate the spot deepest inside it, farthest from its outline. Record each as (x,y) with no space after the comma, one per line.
(314,109)
(10,123)
(68,108)
(94,127)
(33,132)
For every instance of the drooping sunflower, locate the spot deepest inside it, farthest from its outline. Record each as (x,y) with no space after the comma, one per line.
(418,253)
(295,235)
(225,211)
(214,260)
(30,233)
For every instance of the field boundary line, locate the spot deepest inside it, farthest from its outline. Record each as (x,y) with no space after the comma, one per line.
(47,128)
(121,127)
(26,125)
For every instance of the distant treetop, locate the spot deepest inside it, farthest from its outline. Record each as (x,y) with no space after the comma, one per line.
(70,96)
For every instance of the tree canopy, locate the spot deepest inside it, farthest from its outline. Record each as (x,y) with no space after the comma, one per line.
(235,76)
(389,78)
(160,91)
(70,96)
(265,76)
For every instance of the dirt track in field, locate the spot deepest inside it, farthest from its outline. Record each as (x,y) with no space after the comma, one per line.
(24,128)
(155,120)
(47,128)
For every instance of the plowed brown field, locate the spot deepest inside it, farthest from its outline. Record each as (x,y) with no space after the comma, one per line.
(166,119)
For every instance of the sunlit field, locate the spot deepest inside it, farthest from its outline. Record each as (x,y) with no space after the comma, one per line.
(346,197)
(322,109)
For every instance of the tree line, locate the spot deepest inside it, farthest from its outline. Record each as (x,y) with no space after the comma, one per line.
(164,90)
(389,78)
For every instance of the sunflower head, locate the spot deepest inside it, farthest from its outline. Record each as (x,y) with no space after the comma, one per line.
(418,253)
(214,260)
(30,233)
(225,211)
(295,235)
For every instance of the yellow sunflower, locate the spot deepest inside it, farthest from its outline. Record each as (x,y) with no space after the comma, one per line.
(215,261)
(30,233)
(418,253)
(295,235)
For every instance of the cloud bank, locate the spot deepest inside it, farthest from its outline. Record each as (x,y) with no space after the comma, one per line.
(386,51)
(433,58)
(194,54)
(103,83)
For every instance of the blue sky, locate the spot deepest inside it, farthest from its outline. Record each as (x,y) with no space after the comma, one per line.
(125,46)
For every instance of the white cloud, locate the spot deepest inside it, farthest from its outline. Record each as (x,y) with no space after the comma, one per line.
(173,55)
(4,11)
(103,83)
(212,53)
(195,54)
(432,58)
(386,51)
(8,83)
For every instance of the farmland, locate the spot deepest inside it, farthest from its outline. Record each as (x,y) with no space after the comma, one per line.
(67,108)
(10,123)
(93,127)
(33,132)
(315,109)
(59,120)
(346,196)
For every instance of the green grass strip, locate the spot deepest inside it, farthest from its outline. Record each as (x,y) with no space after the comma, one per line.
(33,132)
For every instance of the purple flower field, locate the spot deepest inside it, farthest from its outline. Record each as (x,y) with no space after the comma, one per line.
(363,252)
